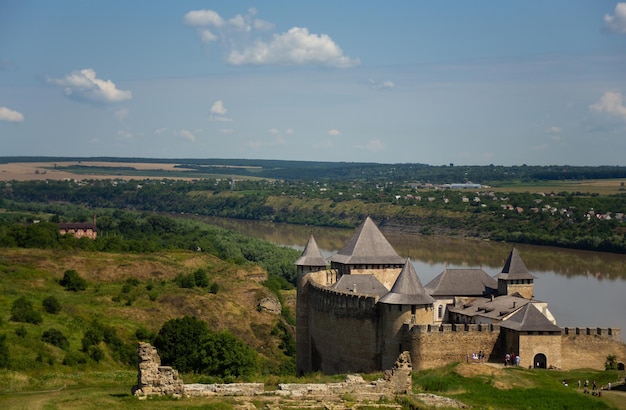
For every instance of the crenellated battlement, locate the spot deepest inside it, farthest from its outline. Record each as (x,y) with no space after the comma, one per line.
(610,332)
(324,299)
(455,327)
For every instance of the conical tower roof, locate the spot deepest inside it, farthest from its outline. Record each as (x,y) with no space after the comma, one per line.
(514,268)
(407,290)
(368,246)
(311,256)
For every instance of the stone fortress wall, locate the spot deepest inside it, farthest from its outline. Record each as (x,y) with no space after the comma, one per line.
(343,329)
(345,325)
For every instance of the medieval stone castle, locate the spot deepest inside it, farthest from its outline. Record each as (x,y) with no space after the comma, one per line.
(358,310)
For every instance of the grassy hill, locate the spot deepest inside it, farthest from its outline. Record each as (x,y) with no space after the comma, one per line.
(132,294)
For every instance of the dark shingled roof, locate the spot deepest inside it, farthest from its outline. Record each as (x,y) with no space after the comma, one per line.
(311,256)
(361,285)
(530,319)
(494,309)
(462,282)
(367,246)
(78,225)
(514,268)
(407,290)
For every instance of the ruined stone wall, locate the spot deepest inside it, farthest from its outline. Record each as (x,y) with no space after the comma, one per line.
(434,346)
(344,331)
(589,347)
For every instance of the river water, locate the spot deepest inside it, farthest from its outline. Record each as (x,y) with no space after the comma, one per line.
(582,288)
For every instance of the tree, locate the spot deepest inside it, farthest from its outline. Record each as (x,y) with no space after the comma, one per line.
(22,311)
(51,305)
(5,359)
(72,281)
(56,338)
(226,355)
(178,341)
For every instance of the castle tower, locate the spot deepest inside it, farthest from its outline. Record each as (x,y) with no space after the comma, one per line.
(407,303)
(515,278)
(309,263)
(368,252)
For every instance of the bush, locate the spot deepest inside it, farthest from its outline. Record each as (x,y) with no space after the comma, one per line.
(214,288)
(51,305)
(55,338)
(5,360)
(72,281)
(74,358)
(95,353)
(21,332)
(201,278)
(22,311)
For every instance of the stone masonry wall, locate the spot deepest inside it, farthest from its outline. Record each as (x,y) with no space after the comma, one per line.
(435,346)
(589,347)
(344,332)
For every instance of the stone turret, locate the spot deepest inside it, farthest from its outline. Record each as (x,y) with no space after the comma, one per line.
(406,304)
(311,263)
(515,278)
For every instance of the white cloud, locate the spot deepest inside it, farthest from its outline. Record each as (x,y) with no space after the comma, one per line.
(188,135)
(160,131)
(385,85)
(262,25)
(240,23)
(218,108)
(295,47)
(227,131)
(617,23)
(289,131)
(218,112)
(273,131)
(204,18)
(334,132)
(610,103)
(206,36)
(84,84)
(9,115)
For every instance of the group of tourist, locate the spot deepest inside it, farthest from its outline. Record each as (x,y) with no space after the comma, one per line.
(511,359)
(477,357)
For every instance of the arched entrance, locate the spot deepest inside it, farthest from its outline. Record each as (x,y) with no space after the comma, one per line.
(620,366)
(540,361)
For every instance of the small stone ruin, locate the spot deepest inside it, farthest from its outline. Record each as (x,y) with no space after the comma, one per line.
(154,379)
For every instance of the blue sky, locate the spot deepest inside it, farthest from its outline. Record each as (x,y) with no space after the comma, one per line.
(436,82)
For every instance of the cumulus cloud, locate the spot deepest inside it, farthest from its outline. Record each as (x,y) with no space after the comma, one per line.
(188,135)
(160,131)
(204,18)
(207,36)
(9,115)
(85,85)
(334,132)
(218,112)
(385,85)
(610,103)
(295,47)
(617,22)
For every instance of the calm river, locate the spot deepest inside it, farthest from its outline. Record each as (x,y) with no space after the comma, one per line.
(582,288)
